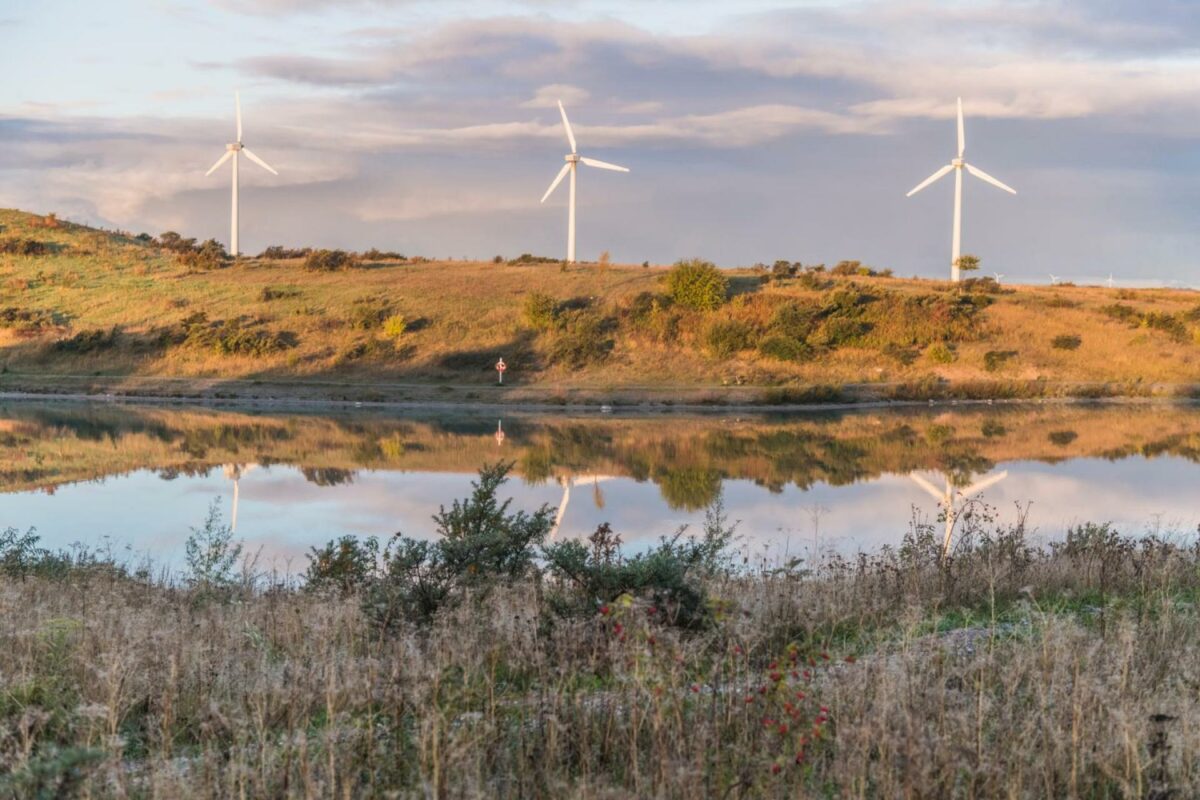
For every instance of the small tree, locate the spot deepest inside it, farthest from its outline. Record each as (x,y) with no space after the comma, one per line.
(211,552)
(967,263)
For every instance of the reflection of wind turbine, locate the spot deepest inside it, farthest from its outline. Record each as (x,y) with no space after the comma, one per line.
(234,150)
(567,483)
(946,498)
(235,472)
(571,166)
(958,165)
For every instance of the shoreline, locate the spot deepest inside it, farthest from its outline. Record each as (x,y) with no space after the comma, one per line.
(538,399)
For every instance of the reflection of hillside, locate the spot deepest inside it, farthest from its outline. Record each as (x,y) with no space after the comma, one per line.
(45,446)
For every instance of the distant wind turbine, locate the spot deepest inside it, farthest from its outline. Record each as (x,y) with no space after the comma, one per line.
(234,150)
(1053,279)
(958,165)
(571,166)
(999,276)
(1110,280)
(946,498)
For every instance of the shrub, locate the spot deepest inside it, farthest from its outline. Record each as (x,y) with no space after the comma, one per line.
(480,545)
(1169,324)
(812,278)
(1066,342)
(277,253)
(1062,438)
(175,243)
(89,341)
(993,429)
(394,326)
(967,263)
(582,341)
(270,293)
(328,260)
(1120,311)
(211,553)
(993,360)
(375,254)
(26,320)
(725,337)
(839,331)
(793,321)
(541,311)
(781,270)
(939,353)
(368,313)
(210,255)
(670,576)
(785,348)
(21,246)
(232,338)
(343,566)
(697,285)
(529,258)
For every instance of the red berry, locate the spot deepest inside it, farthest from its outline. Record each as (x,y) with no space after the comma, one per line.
(775,769)
(604,611)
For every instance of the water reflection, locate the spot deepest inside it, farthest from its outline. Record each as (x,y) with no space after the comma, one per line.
(288,480)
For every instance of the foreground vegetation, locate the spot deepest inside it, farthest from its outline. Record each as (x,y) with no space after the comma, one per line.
(491,663)
(82,309)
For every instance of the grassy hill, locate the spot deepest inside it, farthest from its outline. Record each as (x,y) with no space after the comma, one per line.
(82,309)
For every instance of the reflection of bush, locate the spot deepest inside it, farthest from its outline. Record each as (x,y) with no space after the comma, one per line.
(327,476)
(537,465)
(690,488)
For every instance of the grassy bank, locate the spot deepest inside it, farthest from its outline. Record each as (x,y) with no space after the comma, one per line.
(85,310)
(1005,670)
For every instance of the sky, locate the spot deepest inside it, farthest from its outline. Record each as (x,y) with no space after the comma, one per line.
(755,130)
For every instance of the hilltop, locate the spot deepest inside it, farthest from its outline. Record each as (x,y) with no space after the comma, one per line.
(89,310)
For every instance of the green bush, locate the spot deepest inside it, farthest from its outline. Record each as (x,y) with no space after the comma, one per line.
(212,553)
(698,285)
(583,340)
(479,545)
(785,348)
(394,327)
(270,293)
(21,246)
(368,313)
(940,353)
(541,311)
(208,256)
(839,331)
(89,341)
(1066,342)
(328,260)
(725,337)
(342,566)
(26,320)
(994,360)
(670,577)
(793,321)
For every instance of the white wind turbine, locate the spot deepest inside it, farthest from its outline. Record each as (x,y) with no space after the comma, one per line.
(999,276)
(1054,279)
(1111,282)
(958,165)
(571,166)
(234,150)
(946,499)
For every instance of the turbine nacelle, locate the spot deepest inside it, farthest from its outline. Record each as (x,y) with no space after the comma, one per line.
(233,147)
(958,163)
(572,158)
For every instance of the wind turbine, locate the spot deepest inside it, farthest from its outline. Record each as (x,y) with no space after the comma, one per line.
(234,150)
(567,483)
(1110,280)
(999,276)
(958,165)
(947,497)
(1053,279)
(571,166)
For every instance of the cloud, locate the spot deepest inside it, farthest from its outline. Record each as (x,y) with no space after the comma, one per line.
(549,96)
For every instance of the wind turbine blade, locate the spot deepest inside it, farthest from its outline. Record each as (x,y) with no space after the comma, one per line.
(931,179)
(259,161)
(237,101)
(562,173)
(228,155)
(591,162)
(567,125)
(937,493)
(962,134)
(983,176)
(984,484)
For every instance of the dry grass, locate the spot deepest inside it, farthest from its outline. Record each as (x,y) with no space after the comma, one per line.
(461,315)
(1003,672)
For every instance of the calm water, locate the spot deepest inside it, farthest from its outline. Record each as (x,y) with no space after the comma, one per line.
(140,477)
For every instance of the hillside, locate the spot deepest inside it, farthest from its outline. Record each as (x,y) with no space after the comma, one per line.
(82,309)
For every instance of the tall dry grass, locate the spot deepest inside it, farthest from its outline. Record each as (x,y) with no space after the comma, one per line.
(1006,670)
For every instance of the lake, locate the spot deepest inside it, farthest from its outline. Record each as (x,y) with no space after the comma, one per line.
(137,478)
